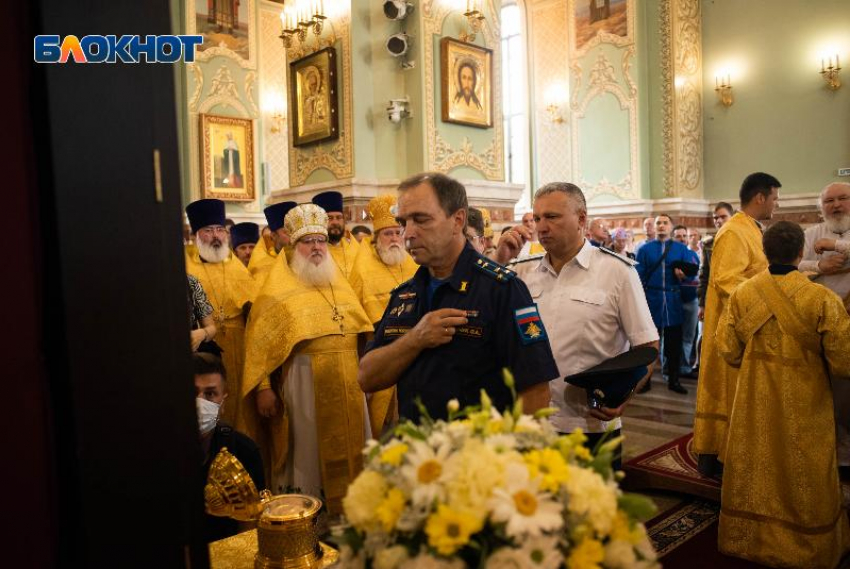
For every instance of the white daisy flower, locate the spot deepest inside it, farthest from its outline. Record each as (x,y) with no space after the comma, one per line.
(541,553)
(423,473)
(505,558)
(526,510)
(501,443)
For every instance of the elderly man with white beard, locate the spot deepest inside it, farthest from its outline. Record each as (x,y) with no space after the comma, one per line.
(827,253)
(227,283)
(379,268)
(301,400)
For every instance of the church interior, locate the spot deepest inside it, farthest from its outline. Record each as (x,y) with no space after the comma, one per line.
(650,107)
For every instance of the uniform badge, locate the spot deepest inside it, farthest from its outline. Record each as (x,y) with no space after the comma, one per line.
(463,285)
(530,325)
(406,295)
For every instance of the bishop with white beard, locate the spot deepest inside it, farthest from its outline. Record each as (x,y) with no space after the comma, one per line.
(228,285)
(380,266)
(301,400)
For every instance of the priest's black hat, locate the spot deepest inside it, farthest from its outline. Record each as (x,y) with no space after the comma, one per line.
(690,269)
(205,212)
(246,232)
(275,214)
(329,201)
(610,383)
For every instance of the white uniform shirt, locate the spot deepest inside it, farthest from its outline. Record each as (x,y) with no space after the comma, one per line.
(839,284)
(593,310)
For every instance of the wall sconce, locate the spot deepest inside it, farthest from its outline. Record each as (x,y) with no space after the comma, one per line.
(299,17)
(723,87)
(554,98)
(474,21)
(273,107)
(830,73)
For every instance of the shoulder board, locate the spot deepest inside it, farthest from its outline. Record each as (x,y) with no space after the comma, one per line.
(494,270)
(622,258)
(518,261)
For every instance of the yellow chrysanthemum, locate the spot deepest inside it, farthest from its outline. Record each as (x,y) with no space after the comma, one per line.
(390,509)
(586,555)
(581,452)
(449,530)
(550,466)
(364,496)
(394,454)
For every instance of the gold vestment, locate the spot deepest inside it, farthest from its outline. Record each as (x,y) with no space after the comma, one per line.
(228,286)
(343,254)
(737,256)
(781,500)
(373,281)
(291,318)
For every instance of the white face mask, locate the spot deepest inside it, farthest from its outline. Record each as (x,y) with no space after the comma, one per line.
(207,414)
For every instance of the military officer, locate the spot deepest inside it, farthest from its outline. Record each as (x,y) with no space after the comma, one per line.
(449,331)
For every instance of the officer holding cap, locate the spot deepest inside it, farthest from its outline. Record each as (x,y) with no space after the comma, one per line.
(592,302)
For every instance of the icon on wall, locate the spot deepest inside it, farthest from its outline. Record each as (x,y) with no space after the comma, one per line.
(313,98)
(467,86)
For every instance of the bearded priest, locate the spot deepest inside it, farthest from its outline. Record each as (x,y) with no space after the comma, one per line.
(228,284)
(342,246)
(264,254)
(301,400)
(380,266)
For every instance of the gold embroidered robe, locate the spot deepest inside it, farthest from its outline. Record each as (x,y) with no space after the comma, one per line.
(737,256)
(290,319)
(373,281)
(229,286)
(781,500)
(344,253)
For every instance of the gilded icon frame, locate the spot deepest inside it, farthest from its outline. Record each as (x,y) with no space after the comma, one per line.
(315,105)
(227,158)
(476,108)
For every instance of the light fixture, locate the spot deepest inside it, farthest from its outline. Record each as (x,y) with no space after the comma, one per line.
(829,71)
(298,17)
(399,109)
(475,21)
(554,98)
(397,9)
(274,107)
(398,44)
(723,88)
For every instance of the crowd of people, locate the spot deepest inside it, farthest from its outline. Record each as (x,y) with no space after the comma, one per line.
(320,338)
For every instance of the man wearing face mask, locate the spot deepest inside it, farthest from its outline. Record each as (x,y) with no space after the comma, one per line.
(342,247)
(211,392)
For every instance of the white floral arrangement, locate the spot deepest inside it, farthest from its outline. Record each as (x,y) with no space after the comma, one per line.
(491,490)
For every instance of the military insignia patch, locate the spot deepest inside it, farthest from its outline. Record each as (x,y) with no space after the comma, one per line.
(530,325)
(406,295)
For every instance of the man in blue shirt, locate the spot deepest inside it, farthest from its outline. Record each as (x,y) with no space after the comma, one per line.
(661,282)
(448,332)
(690,306)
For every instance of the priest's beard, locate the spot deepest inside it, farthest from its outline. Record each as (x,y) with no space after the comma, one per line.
(215,251)
(839,223)
(312,274)
(335,234)
(391,255)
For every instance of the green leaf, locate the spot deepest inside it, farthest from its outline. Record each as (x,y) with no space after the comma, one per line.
(637,507)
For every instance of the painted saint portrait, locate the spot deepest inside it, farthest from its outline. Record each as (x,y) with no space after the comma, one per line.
(314,98)
(223,23)
(466,83)
(599,17)
(227,157)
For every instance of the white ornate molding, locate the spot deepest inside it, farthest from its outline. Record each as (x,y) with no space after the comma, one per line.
(223,84)
(221,50)
(250,84)
(681,73)
(198,77)
(441,155)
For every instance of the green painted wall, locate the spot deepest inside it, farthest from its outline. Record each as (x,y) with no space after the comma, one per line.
(783,121)
(651,102)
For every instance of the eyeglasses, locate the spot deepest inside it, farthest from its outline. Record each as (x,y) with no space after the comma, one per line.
(314,240)
(213,229)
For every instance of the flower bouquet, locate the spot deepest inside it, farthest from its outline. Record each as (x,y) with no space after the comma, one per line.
(491,490)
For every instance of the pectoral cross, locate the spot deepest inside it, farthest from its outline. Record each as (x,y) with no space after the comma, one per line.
(338,318)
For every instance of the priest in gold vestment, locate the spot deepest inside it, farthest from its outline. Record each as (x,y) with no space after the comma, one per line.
(227,283)
(264,254)
(781,502)
(342,246)
(301,400)
(737,256)
(380,266)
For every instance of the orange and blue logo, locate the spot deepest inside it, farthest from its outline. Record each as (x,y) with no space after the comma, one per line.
(115,49)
